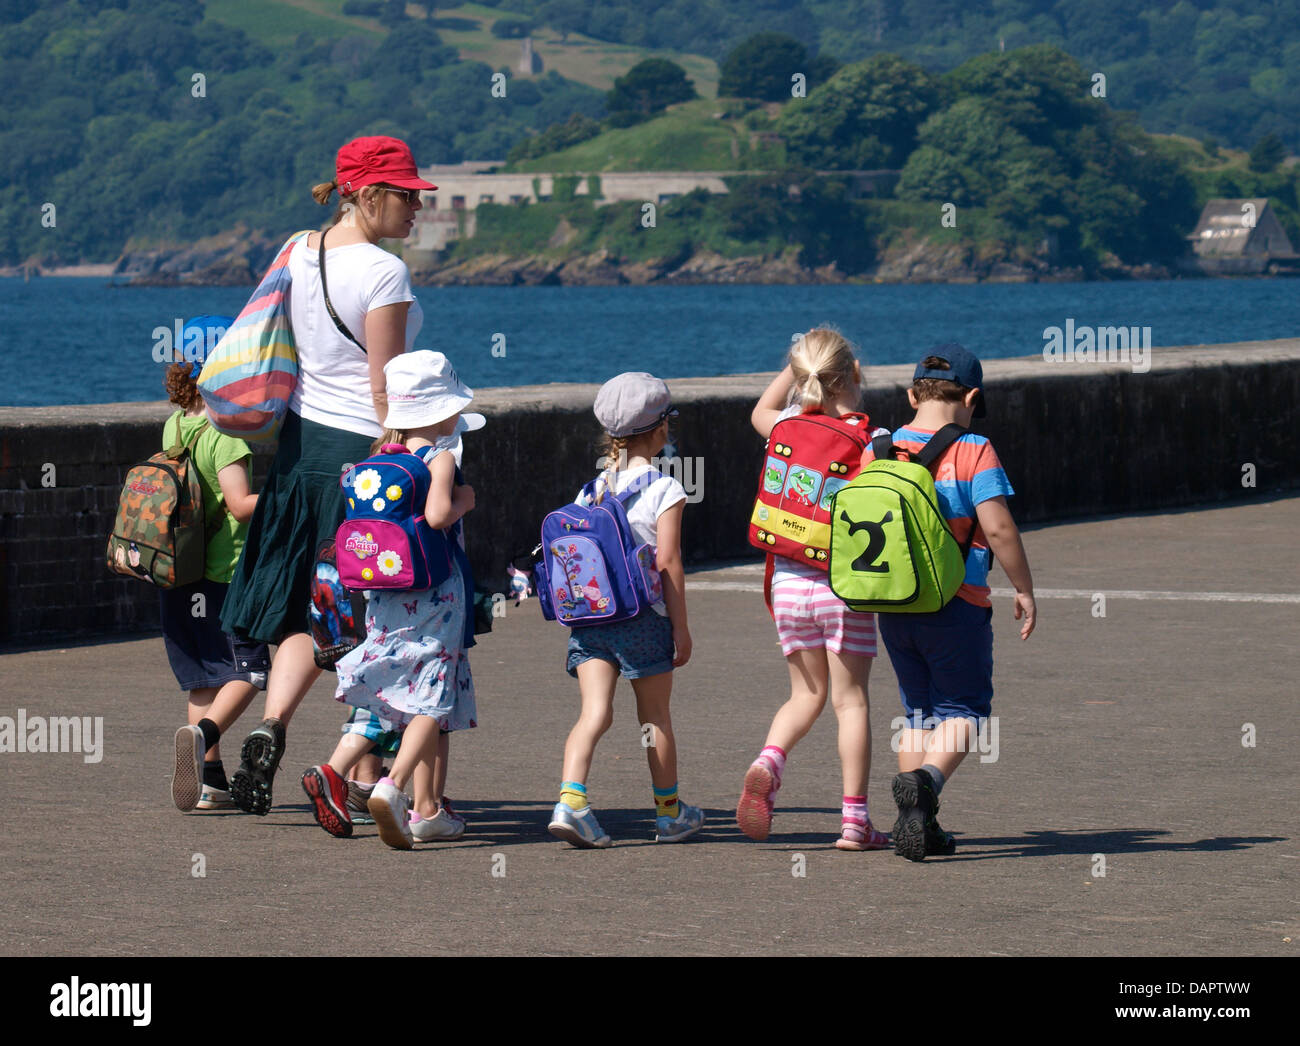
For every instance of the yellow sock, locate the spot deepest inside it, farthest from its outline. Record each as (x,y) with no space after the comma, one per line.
(573,794)
(666,802)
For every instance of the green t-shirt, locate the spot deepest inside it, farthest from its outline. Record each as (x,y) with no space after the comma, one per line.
(212,452)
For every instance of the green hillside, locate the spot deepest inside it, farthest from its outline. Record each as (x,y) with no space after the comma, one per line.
(694,136)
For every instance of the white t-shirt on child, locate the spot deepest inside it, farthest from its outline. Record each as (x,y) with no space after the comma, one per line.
(333,374)
(644,510)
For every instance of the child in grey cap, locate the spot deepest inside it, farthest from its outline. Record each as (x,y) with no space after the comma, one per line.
(634,409)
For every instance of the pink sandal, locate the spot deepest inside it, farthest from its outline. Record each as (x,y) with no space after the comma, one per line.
(860,837)
(754,811)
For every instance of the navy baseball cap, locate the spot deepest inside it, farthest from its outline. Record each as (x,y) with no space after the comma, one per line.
(963,368)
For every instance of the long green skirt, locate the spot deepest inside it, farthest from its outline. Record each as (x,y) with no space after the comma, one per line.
(299,508)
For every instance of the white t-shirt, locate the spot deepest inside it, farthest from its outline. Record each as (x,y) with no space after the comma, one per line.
(784,568)
(333,374)
(644,510)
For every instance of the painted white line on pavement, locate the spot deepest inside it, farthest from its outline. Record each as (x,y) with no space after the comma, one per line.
(1064,593)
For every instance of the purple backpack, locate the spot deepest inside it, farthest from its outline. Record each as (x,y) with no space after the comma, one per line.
(593,569)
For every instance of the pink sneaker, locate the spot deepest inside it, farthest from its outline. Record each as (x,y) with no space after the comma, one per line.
(860,837)
(754,811)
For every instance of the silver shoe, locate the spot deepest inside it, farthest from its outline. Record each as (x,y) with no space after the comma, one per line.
(689,820)
(578,827)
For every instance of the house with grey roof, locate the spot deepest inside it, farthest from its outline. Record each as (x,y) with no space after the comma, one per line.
(1240,237)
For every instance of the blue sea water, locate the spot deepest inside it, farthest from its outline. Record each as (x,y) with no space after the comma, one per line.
(82,340)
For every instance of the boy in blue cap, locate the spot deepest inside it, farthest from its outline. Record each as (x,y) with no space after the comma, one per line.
(944,660)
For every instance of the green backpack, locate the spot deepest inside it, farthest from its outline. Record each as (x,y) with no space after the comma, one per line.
(159,534)
(891,550)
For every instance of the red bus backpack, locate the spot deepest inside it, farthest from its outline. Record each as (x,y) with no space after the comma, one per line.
(809,457)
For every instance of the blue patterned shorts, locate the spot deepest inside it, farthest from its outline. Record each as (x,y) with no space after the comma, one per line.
(639,646)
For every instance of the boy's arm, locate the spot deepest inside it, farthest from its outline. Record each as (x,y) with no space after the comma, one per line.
(771,403)
(240,500)
(668,540)
(1004,539)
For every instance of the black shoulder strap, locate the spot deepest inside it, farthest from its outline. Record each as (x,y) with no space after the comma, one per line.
(882,447)
(939,442)
(931,452)
(329,305)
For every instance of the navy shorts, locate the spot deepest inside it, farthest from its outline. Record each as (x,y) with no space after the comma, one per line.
(200,653)
(944,660)
(640,646)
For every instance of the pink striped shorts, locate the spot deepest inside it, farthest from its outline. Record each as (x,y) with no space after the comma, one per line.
(810,616)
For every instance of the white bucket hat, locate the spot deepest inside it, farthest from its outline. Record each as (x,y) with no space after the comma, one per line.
(423,389)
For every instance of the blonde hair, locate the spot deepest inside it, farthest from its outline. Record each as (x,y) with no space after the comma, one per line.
(389,436)
(822,362)
(322,192)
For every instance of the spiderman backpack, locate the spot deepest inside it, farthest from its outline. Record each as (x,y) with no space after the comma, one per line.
(384,541)
(809,457)
(593,570)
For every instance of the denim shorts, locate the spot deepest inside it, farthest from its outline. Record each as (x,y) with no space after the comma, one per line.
(944,660)
(640,646)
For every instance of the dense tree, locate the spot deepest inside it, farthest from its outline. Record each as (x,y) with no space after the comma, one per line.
(865,116)
(762,67)
(650,86)
(1266,154)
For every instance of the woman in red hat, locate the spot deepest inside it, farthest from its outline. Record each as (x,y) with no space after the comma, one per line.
(352,310)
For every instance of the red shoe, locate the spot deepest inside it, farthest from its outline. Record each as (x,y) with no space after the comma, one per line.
(329,800)
(754,811)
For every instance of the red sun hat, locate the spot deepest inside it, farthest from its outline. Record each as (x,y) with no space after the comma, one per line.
(376,160)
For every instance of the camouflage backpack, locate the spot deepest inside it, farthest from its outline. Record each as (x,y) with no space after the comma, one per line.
(159,535)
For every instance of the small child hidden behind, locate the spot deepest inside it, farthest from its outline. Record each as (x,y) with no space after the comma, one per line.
(221,673)
(412,672)
(828,648)
(944,660)
(634,409)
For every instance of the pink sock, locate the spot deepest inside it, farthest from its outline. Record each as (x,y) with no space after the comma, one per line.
(854,812)
(774,756)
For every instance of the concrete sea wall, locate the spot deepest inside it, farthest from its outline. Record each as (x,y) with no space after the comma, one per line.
(1203,424)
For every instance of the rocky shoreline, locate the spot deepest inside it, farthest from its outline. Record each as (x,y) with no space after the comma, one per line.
(238,258)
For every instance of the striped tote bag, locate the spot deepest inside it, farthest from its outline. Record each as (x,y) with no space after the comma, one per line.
(249,376)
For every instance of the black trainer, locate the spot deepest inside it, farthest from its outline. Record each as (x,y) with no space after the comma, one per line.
(260,756)
(917,834)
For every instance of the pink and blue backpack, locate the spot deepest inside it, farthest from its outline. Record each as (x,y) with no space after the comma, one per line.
(384,541)
(593,570)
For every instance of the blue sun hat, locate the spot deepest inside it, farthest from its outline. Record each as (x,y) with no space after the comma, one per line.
(199,337)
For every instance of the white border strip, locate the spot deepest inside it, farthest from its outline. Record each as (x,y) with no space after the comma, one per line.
(1062,593)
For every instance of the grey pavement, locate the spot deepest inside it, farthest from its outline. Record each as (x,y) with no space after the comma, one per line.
(1120,738)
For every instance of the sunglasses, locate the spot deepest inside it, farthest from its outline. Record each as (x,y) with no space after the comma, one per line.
(411,196)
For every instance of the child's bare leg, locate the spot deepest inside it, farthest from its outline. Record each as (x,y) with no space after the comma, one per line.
(419,744)
(369,768)
(223,707)
(351,749)
(293,671)
(848,679)
(948,743)
(200,702)
(596,682)
(652,695)
(424,789)
(440,766)
(808,688)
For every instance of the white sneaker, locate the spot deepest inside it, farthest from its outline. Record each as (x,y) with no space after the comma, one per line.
(389,807)
(215,799)
(438,828)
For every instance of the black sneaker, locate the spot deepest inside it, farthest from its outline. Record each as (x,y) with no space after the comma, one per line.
(260,756)
(917,834)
